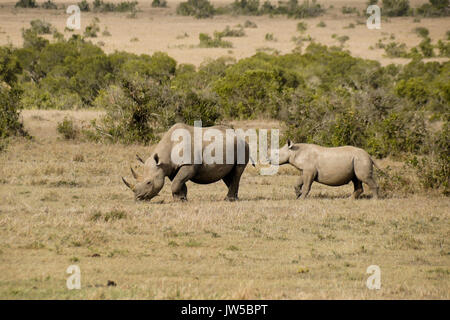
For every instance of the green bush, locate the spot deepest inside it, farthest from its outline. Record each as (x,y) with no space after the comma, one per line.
(422,32)
(41,27)
(84,6)
(251,24)
(159,4)
(302,26)
(49,5)
(199,9)
(228,32)
(124,6)
(207,42)
(395,8)
(67,129)
(91,30)
(26,4)
(435,8)
(10,124)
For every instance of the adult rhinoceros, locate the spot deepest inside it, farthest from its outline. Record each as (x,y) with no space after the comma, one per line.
(160,165)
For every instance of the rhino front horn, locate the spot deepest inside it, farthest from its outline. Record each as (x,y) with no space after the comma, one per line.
(128,184)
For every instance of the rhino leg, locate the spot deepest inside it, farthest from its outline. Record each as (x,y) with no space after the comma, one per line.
(298,187)
(373,187)
(232,181)
(179,189)
(358,188)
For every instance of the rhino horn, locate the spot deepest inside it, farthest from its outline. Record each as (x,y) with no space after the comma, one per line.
(135,175)
(129,185)
(139,159)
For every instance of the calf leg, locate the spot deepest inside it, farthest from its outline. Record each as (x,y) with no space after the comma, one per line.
(308,178)
(298,187)
(358,188)
(232,181)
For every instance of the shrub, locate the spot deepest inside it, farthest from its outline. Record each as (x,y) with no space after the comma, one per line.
(251,24)
(348,10)
(245,7)
(84,6)
(269,37)
(395,8)
(26,4)
(198,8)
(321,24)
(49,4)
(91,30)
(67,129)
(41,27)
(228,32)
(159,4)
(207,42)
(10,124)
(124,6)
(421,32)
(302,26)
(426,47)
(434,8)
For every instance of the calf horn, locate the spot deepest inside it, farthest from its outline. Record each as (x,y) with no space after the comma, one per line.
(128,184)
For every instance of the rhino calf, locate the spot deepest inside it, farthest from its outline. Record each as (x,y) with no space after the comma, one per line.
(330,166)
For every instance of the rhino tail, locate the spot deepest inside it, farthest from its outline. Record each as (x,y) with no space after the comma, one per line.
(376,166)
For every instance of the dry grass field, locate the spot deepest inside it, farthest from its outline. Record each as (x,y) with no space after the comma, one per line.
(156,29)
(62,203)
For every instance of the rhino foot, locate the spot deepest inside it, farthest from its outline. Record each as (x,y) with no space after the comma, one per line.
(231,199)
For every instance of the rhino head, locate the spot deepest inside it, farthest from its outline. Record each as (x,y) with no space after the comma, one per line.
(151,182)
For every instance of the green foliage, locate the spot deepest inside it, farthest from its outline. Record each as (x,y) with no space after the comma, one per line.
(207,42)
(10,124)
(435,8)
(91,30)
(426,48)
(26,4)
(41,27)
(84,6)
(395,8)
(251,24)
(200,9)
(67,129)
(348,10)
(422,32)
(302,26)
(49,5)
(124,6)
(228,32)
(321,24)
(159,4)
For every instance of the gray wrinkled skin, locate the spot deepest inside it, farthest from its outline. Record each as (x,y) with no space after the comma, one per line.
(330,166)
(159,166)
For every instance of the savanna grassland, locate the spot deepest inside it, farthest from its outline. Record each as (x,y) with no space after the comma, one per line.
(62,201)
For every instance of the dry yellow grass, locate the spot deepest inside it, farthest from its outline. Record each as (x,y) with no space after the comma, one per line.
(62,203)
(158,29)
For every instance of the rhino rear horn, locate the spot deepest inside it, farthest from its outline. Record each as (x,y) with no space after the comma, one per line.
(129,185)
(135,175)
(139,159)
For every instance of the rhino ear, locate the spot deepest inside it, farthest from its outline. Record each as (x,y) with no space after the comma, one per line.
(156,157)
(290,144)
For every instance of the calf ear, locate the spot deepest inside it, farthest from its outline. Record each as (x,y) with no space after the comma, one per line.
(156,157)
(290,144)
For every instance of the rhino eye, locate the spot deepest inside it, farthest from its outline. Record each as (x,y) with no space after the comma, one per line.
(149,182)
